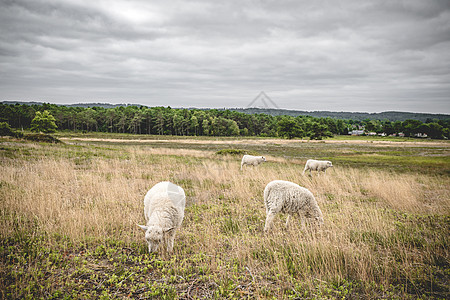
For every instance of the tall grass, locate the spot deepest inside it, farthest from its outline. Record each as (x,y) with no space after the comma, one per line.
(381,228)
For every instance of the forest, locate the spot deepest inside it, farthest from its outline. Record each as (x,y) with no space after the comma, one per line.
(214,122)
(360,116)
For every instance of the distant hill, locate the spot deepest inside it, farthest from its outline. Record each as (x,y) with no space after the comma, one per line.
(387,115)
(85,105)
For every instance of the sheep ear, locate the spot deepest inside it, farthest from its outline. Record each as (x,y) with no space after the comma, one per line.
(169,230)
(143,227)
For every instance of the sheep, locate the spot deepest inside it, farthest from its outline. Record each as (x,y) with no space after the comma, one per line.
(164,207)
(317,165)
(290,198)
(252,160)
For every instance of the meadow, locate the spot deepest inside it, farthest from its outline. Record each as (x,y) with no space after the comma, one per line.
(68,215)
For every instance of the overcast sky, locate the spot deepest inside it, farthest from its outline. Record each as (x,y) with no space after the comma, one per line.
(367,56)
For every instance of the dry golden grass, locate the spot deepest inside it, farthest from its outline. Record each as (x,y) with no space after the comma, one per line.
(101,197)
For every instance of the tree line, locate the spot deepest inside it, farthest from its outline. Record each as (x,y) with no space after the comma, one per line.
(213,122)
(360,116)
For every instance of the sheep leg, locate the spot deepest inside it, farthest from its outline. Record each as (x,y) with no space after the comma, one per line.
(170,241)
(302,221)
(269,220)
(287,220)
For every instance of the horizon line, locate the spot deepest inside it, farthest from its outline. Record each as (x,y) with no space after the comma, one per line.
(243,108)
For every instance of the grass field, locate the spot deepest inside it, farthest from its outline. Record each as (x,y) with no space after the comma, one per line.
(69,214)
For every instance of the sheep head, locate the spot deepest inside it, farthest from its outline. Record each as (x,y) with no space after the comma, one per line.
(318,220)
(154,235)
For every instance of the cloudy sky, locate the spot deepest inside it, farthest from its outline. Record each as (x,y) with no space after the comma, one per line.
(367,56)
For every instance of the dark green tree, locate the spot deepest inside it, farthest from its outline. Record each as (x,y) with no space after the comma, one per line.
(287,127)
(411,127)
(232,128)
(135,122)
(206,127)
(88,118)
(194,125)
(433,130)
(372,126)
(397,125)
(388,128)
(319,131)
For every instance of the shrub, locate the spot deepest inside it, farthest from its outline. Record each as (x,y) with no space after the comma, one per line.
(236,152)
(5,130)
(41,137)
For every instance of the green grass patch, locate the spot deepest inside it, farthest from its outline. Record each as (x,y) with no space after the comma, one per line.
(437,164)
(236,152)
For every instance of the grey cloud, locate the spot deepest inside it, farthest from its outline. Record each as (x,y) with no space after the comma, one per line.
(315,55)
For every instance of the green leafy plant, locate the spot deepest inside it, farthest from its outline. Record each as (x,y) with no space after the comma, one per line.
(43,122)
(5,130)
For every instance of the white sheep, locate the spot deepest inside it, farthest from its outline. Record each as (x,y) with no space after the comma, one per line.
(317,165)
(252,160)
(164,207)
(290,198)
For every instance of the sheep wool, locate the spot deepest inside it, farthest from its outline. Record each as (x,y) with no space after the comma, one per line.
(317,165)
(164,206)
(252,160)
(287,197)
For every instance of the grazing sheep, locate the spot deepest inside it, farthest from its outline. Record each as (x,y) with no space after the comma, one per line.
(164,207)
(317,165)
(252,160)
(290,198)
